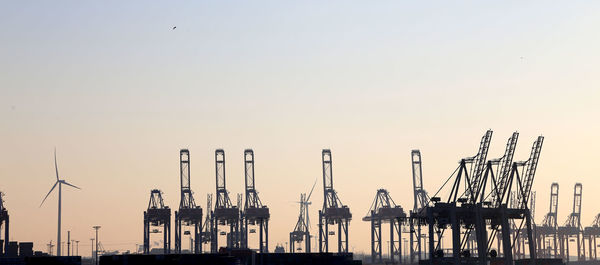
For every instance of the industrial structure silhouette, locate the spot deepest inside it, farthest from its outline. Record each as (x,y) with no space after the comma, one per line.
(484,210)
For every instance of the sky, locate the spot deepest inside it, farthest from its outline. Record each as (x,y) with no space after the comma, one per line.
(118,92)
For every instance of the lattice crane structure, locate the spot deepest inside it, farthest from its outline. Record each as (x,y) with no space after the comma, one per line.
(208,224)
(384,210)
(547,232)
(189,214)
(301,232)
(4,221)
(470,209)
(421,199)
(157,215)
(591,233)
(255,213)
(572,228)
(333,212)
(225,213)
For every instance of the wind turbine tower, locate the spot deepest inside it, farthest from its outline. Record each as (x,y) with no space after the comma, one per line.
(58,182)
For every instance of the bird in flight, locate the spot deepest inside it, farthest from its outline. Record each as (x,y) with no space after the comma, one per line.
(174,28)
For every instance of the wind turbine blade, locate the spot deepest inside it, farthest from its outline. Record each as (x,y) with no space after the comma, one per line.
(56,183)
(55,164)
(311,190)
(68,184)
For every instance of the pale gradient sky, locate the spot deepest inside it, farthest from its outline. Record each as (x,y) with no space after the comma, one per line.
(119,93)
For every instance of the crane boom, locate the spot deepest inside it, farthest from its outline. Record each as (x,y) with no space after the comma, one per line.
(575,217)
(504,164)
(479,163)
(252,199)
(550,219)
(420,195)
(222,200)
(331,199)
(530,168)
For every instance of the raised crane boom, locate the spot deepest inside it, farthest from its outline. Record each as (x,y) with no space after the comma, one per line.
(529,171)
(331,199)
(550,219)
(574,219)
(420,195)
(504,165)
(478,164)
(252,199)
(223,200)
(187,200)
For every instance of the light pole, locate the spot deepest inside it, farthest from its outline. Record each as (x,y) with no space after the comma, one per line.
(68,243)
(96,227)
(92,256)
(77,242)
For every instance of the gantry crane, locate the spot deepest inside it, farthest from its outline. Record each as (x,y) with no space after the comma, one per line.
(157,215)
(255,213)
(225,213)
(591,233)
(468,209)
(473,183)
(208,223)
(524,171)
(189,214)
(301,231)
(384,210)
(572,227)
(421,199)
(4,221)
(547,232)
(333,212)
(498,172)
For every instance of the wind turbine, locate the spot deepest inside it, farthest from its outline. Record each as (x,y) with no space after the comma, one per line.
(58,182)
